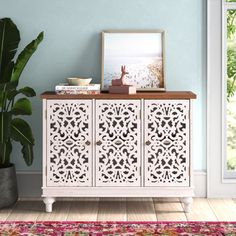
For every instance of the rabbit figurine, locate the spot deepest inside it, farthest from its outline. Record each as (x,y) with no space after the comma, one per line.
(121,81)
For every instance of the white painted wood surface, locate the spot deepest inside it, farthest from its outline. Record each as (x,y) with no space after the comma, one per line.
(166,142)
(118,133)
(69,143)
(117,118)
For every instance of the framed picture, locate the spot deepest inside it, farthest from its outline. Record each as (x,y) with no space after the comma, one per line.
(141,52)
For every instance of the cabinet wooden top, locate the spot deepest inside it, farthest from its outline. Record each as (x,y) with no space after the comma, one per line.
(138,95)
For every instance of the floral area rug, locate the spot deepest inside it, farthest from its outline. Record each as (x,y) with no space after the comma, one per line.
(117,228)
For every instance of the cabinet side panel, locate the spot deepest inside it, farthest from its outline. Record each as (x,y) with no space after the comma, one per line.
(167,143)
(118,140)
(44,160)
(69,143)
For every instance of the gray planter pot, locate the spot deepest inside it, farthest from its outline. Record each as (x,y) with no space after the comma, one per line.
(8,186)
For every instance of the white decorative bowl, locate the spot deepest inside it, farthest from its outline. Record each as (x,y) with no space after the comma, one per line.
(79,81)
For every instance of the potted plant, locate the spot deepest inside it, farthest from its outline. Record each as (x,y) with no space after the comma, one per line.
(14,102)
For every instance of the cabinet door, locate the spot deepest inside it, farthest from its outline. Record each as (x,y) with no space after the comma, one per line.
(166,143)
(69,137)
(118,153)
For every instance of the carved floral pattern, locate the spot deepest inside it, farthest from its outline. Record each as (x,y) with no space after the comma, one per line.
(69,153)
(167,139)
(118,146)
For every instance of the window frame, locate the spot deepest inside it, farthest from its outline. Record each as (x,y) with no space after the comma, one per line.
(227,175)
(216,187)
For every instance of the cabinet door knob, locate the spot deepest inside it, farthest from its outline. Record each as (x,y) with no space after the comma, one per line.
(99,143)
(118,142)
(87,143)
(148,143)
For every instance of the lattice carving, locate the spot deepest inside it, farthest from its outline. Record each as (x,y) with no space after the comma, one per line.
(69,137)
(118,143)
(167,143)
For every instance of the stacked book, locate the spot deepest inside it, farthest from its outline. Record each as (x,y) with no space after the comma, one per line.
(65,88)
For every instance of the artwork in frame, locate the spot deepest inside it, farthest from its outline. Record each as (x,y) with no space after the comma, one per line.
(142,52)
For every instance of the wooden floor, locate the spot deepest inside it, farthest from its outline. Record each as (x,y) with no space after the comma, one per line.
(122,209)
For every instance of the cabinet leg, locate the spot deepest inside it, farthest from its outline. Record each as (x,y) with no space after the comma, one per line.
(187,201)
(48,203)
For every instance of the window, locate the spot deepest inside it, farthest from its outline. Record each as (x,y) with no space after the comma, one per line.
(229,88)
(217,184)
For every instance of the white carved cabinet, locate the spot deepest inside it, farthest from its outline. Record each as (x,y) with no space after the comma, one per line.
(117,146)
(167,146)
(118,139)
(69,134)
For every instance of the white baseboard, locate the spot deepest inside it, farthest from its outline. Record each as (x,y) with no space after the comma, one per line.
(29,184)
(200,183)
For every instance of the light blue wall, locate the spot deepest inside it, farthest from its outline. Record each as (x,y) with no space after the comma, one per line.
(72,46)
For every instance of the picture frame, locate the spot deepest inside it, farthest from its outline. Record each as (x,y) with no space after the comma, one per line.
(143,54)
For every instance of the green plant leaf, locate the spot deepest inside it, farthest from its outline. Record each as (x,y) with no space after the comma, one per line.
(22,107)
(8,72)
(27,151)
(5,120)
(24,57)
(5,152)
(27,91)
(5,88)
(8,85)
(21,131)
(11,94)
(9,40)
(1,98)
